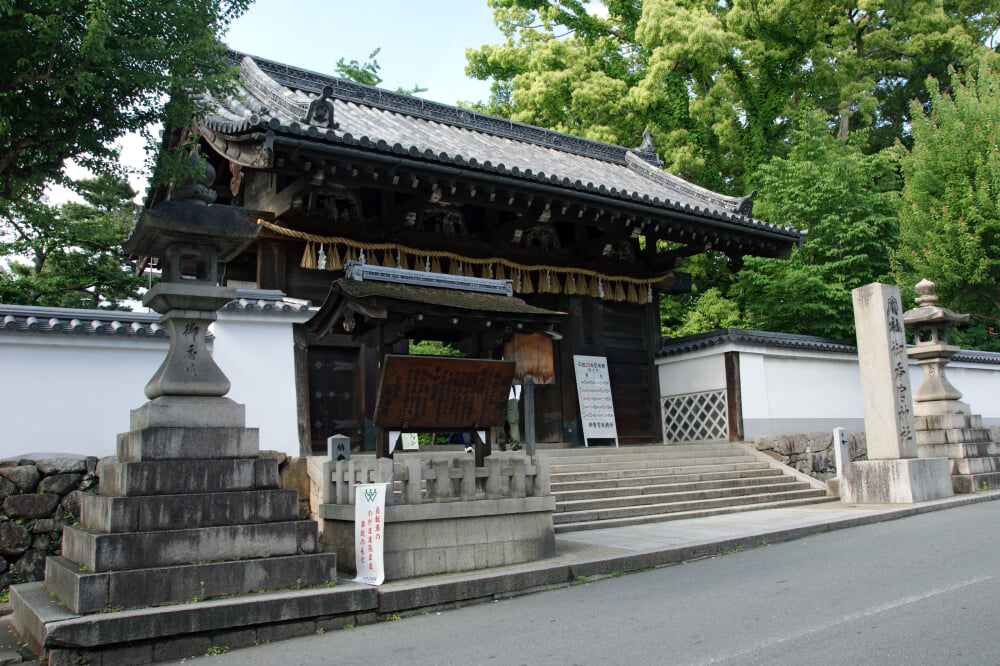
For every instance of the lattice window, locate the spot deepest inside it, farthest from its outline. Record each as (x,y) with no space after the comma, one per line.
(695,417)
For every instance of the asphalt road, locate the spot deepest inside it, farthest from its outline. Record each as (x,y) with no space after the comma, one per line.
(921,590)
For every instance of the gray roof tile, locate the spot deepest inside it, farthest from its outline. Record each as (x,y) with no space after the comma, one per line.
(277,97)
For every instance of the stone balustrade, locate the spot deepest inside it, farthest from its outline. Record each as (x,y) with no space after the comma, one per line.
(438,478)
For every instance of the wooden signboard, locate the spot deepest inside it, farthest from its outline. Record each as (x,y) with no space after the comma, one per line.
(441,393)
(593,387)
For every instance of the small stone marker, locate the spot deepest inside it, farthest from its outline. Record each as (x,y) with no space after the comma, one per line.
(841,453)
(338,447)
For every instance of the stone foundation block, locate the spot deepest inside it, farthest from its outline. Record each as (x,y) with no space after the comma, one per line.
(54,626)
(975,466)
(150,444)
(952,436)
(958,450)
(948,421)
(86,592)
(170,512)
(98,551)
(188,412)
(175,477)
(895,481)
(433,538)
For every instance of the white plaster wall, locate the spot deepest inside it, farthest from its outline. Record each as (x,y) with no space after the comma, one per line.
(798,392)
(69,393)
(256,353)
(679,375)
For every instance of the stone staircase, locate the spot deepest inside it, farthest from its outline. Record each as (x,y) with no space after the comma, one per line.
(600,487)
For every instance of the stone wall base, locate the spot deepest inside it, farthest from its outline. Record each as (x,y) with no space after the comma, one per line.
(426,539)
(895,481)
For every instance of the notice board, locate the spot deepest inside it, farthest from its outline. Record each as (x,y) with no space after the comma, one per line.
(593,389)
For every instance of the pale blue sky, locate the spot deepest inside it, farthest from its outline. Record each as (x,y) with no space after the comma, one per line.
(422,42)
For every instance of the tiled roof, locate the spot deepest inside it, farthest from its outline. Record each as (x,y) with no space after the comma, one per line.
(266,301)
(69,321)
(447,298)
(282,100)
(690,343)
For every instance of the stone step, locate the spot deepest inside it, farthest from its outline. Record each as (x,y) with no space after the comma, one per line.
(616,513)
(974,483)
(682,515)
(91,592)
(146,513)
(100,551)
(631,482)
(954,435)
(947,421)
(654,463)
(677,497)
(151,444)
(178,477)
(959,450)
(584,452)
(648,490)
(661,471)
(630,458)
(986,465)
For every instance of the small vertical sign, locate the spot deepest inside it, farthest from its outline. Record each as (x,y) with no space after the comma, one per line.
(369,532)
(593,389)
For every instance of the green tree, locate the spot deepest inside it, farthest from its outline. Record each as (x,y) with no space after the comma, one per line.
(719,83)
(79,74)
(367,72)
(950,213)
(70,255)
(847,201)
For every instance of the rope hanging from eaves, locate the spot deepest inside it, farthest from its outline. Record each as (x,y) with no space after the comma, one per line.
(332,252)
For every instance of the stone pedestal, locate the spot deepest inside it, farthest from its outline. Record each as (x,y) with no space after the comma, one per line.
(188,512)
(894,481)
(893,473)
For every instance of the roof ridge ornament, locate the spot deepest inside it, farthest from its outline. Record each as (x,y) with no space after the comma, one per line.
(647,151)
(321,109)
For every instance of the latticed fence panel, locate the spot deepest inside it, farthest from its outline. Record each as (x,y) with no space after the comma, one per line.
(695,417)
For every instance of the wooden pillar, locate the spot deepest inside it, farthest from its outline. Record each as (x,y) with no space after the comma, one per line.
(528,391)
(381,440)
(734,399)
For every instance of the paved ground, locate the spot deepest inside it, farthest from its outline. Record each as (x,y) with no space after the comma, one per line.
(602,552)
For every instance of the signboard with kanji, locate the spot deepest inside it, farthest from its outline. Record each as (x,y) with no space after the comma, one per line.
(593,388)
(443,393)
(369,532)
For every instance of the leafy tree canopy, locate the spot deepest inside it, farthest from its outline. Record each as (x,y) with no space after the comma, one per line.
(846,201)
(70,255)
(79,74)
(950,213)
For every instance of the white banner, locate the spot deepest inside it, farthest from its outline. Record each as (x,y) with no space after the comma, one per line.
(369,532)
(593,388)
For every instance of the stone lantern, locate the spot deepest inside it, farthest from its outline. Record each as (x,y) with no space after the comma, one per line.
(946,426)
(931,350)
(192,237)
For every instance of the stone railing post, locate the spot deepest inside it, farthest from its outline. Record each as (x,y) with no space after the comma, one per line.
(411,491)
(494,482)
(518,485)
(442,480)
(541,487)
(341,479)
(468,481)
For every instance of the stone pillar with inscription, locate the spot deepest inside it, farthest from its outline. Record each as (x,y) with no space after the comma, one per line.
(893,473)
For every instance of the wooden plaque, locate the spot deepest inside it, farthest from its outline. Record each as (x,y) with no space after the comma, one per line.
(442,393)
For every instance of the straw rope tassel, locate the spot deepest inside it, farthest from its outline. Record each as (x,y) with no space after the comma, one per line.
(333,262)
(556,286)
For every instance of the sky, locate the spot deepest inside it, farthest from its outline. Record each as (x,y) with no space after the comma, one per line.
(422,43)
